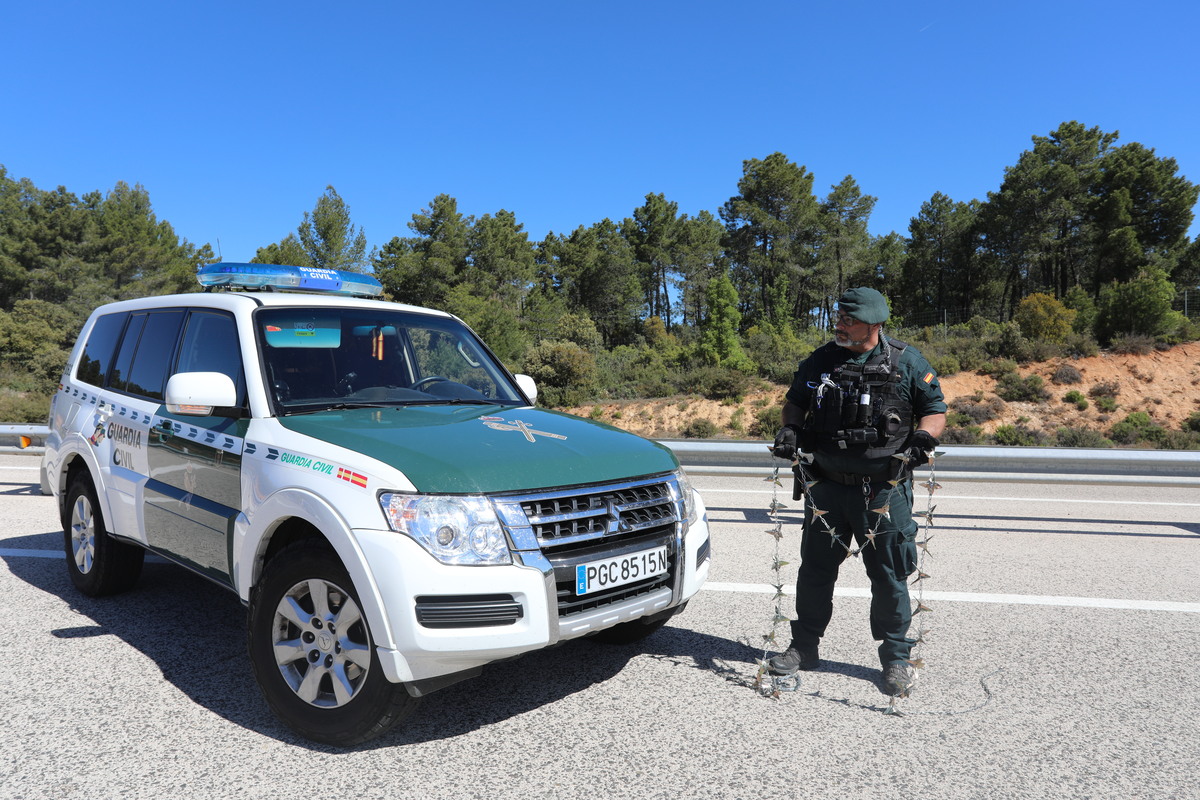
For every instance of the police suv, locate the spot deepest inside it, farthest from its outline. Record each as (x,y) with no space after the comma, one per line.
(376,487)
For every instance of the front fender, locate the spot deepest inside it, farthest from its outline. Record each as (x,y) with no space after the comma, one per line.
(252,535)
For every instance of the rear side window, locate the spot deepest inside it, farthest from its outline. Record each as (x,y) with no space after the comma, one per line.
(101,345)
(210,344)
(145,355)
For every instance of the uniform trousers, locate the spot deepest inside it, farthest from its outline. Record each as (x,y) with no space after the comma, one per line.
(890,557)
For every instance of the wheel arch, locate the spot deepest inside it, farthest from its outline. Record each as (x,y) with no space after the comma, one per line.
(72,466)
(291,515)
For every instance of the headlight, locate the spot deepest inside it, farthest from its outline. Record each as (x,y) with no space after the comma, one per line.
(455,530)
(686,497)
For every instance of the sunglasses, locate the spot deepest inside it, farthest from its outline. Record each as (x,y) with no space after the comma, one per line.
(846,321)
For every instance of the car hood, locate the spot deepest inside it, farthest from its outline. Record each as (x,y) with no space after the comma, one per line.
(469,449)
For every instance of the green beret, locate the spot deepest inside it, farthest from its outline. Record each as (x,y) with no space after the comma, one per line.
(865,305)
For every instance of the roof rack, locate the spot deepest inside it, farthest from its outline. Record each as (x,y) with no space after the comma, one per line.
(278,277)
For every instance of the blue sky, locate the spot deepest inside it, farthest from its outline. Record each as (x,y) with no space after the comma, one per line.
(236,115)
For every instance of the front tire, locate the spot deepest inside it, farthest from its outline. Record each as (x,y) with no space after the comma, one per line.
(97,563)
(312,651)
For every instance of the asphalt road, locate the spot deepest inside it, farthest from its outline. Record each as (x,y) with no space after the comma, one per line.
(1061,663)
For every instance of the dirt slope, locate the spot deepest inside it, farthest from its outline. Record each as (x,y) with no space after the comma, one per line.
(1166,385)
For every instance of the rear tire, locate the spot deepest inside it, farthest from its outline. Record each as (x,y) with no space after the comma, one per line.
(312,651)
(97,563)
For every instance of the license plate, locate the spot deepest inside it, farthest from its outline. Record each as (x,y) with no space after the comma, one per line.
(596,576)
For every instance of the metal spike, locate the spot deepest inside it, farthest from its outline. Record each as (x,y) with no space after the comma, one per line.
(920,577)
(921,607)
(892,709)
(919,663)
(817,512)
(883,510)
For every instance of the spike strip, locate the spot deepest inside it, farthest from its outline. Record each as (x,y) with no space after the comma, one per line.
(767,684)
(914,659)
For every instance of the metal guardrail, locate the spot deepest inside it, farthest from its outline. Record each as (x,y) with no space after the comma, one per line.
(1177,468)
(10,438)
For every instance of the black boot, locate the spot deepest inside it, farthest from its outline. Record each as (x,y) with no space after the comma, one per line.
(899,679)
(794,659)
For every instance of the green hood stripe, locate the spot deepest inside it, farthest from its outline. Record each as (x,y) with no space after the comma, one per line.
(486,449)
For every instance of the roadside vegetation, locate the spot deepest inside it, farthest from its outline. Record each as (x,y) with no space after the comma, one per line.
(1082,247)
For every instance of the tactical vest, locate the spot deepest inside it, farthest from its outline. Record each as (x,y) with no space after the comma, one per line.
(857,409)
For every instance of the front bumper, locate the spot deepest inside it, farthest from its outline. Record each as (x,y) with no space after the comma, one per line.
(429,608)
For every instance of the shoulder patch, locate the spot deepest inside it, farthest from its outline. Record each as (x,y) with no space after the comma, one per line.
(928,377)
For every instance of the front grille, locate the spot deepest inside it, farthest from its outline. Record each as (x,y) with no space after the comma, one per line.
(611,513)
(590,523)
(467,611)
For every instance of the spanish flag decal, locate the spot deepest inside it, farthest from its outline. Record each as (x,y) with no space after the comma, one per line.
(352,477)
(928,377)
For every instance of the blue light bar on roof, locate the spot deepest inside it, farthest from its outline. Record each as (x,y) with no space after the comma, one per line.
(296,279)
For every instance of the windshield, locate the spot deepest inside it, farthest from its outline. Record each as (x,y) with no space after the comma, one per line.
(320,358)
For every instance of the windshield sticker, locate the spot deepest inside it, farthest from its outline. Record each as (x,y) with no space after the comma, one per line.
(500,424)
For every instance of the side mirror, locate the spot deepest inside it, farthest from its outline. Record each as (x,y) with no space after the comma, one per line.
(527,387)
(198,393)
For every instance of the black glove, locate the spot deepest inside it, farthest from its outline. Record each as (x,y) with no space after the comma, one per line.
(785,442)
(919,446)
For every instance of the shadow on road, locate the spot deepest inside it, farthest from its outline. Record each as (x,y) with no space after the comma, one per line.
(194,631)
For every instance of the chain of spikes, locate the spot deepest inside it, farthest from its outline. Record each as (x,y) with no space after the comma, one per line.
(773,686)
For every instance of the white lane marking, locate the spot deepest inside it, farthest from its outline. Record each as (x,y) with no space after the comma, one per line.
(956,597)
(939,497)
(22,469)
(975,597)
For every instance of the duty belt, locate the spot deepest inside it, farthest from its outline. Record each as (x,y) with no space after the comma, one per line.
(850,478)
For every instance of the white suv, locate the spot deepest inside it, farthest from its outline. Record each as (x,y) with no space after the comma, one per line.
(369,479)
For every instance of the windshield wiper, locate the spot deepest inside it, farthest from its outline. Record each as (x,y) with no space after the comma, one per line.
(336,407)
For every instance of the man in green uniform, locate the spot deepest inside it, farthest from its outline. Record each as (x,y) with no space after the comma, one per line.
(869,409)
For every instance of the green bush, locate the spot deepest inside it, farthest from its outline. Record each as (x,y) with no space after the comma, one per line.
(1137,427)
(1081,345)
(700,429)
(715,383)
(1013,388)
(1010,343)
(1106,389)
(976,409)
(998,367)
(1065,373)
(778,352)
(1192,423)
(24,408)
(967,434)
(1132,344)
(566,373)
(1080,437)
(1042,317)
(1180,440)
(1017,436)
(945,364)
(1106,403)
(766,423)
(1077,399)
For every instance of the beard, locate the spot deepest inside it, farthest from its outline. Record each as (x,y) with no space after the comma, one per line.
(844,340)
